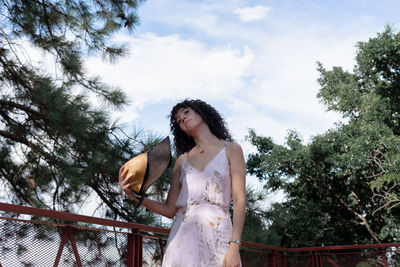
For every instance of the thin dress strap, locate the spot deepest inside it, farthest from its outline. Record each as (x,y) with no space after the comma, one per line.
(185,162)
(226,152)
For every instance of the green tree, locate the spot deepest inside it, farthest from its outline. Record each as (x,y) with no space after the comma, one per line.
(257,219)
(343,186)
(57,149)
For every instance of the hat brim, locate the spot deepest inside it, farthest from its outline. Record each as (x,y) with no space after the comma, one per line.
(157,160)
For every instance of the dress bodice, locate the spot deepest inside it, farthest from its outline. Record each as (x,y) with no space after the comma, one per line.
(209,186)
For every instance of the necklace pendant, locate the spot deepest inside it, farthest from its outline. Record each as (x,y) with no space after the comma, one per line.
(201,150)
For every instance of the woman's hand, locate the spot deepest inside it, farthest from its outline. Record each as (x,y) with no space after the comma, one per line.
(125,184)
(232,258)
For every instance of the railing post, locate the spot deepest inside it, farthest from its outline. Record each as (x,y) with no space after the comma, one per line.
(160,242)
(284,260)
(272,259)
(130,251)
(134,249)
(310,261)
(68,233)
(139,250)
(60,248)
(316,259)
(242,258)
(74,247)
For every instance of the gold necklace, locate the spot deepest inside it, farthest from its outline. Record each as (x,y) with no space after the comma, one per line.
(201,148)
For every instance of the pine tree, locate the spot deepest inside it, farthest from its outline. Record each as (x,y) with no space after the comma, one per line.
(57,149)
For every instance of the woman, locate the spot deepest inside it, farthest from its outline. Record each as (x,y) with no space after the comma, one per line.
(208,174)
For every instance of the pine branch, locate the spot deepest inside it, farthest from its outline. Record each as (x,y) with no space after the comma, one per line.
(50,158)
(27,109)
(110,204)
(16,189)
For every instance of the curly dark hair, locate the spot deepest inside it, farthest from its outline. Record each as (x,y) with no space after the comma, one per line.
(183,143)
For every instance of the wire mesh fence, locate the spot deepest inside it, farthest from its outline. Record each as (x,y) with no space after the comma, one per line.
(361,257)
(153,252)
(252,255)
(29,243)
(32,243)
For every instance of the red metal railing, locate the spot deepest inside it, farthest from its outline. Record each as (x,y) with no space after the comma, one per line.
(347,255)
(91,241)
(134,232)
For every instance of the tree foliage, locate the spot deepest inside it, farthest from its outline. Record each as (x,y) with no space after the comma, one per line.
(256,219)
(57,149)
(343,186)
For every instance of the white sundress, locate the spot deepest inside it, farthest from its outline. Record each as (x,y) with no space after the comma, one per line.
(202,226)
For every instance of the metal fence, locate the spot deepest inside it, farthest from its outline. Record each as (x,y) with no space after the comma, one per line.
(90,241)
(349,255)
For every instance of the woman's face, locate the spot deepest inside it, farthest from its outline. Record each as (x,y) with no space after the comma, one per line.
(188,120)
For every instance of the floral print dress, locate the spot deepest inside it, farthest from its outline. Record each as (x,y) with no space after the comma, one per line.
(202,226)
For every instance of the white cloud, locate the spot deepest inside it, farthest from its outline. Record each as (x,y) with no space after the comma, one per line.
(250,14)
(168,67)
(268,83)
(267,79)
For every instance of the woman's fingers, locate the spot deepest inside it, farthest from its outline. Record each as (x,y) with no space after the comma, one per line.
(128,185)
(123,173)
(121,176)
(125,184)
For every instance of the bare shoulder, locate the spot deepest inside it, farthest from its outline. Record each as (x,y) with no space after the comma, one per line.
(233,149)
(179,161)
(236,161)
(177,169)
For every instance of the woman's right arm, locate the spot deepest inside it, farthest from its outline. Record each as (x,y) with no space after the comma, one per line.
(167,209)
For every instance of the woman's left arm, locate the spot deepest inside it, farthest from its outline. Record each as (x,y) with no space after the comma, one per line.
(238,174)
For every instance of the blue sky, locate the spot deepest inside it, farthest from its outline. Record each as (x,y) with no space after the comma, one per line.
(255,61)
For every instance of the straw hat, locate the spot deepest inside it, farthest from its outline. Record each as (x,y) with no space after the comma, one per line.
(146,168)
